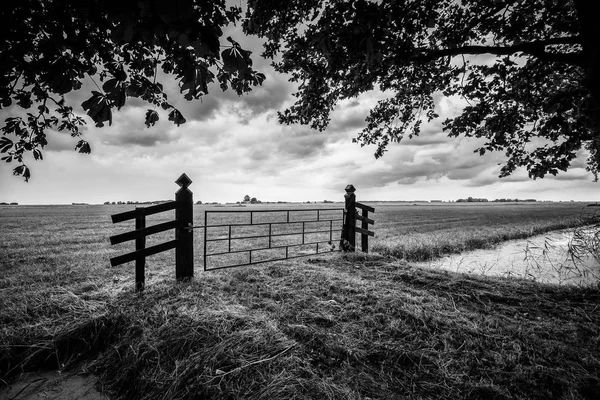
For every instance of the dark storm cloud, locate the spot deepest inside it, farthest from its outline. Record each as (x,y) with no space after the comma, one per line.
(202,109)
(271,96)
(145,138)
(62,141)
(467,168)
(128,128)
(370,179)
(431,133)
(259,154)
(354,122)
(407,175)
(574,174)
(407,163)
(271,152)
(267,98)
(305,147)
(491,177)
(302,146)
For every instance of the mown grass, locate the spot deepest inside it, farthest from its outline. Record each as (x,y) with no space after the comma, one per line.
(334,327)
(341,327)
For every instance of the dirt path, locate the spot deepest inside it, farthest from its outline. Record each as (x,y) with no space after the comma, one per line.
(53,385)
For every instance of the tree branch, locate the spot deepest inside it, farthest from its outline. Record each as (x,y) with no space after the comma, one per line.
(535,48)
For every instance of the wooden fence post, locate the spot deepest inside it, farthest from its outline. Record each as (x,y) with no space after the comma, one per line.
(364,239)
(184,214)
(140,261)
(348,241)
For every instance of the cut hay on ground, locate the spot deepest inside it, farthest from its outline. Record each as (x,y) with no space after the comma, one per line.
(351,327)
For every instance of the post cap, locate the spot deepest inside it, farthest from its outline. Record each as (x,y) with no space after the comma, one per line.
(184,181)
(350,188)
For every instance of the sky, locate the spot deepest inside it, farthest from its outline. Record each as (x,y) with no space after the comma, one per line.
(234,146)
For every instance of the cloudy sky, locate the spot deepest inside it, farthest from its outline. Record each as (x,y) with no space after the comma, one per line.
(232,146)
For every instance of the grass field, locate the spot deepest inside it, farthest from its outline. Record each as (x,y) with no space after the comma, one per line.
(424,232)
(331,327)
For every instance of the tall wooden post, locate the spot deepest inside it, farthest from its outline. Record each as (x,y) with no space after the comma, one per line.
(364,239)
(184,213)
(348,241)
(140,244)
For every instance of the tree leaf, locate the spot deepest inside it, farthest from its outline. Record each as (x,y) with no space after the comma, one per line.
(83,147)
(151,118)
(5,144)
(24,100)
(236,59)
(176,117)
(257,78)
(22,170)
(98,108)
(110,85)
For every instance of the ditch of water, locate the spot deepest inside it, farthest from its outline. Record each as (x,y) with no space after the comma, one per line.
(565,257)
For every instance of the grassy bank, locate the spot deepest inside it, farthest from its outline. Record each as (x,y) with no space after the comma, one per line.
(426,232)
(337,327)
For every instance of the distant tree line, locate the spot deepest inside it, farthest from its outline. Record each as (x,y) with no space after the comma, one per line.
(483,200)
(515,200)
(9,204)
(472,200)
(108,203)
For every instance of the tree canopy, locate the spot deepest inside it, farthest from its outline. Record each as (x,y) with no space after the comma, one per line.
(49,47)
(537,99)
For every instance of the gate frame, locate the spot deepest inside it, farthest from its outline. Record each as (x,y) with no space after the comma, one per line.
(229,237)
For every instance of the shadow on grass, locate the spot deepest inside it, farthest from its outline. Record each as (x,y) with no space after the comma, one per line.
(351,327)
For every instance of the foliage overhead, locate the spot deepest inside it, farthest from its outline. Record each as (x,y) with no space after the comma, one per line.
(50,47)
(536,98)
(535,93)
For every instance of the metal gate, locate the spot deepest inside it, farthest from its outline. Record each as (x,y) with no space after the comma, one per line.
(234,238)
(243,237)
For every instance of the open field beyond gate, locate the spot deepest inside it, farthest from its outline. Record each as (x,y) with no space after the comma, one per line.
(331,326)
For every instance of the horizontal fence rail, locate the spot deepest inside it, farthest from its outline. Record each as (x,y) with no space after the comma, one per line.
(151,230)
(155,209)
(145,252)
(243,237)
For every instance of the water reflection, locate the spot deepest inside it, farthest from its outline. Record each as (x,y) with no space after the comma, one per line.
(563,257)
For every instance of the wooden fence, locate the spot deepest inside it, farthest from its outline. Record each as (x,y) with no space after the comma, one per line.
(184,232)
(183,242)
(349,230)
